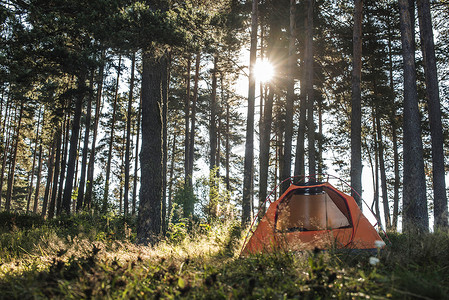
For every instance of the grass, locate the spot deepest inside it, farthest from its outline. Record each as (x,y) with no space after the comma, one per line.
(86,256)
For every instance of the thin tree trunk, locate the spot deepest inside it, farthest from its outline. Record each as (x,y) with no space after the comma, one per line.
(7,139)
(415,215)
(300,150)
(376,170)
(36,146)
(128,134)
(187,179)
(164,85)
(248,176)
(136,161)
(396,174)
(436,128)
(227,145)
(63,162)
(170,182)
(193,117)
(10,187)
(58,137)
(87,120)
(393,123)
(50,167)
(111,140)
(383,175)
(320,136)
(122,170)
(356,106)
(91,165)
(213,115)
(289,107)
(310,91)
(38,179)
(74,138)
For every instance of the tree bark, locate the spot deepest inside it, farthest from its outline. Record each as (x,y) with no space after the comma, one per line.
(58,137)
(128,134)
(111,141)
(436,128)
(6,145)
(310,91)
(300,150)
(91,165)
(249,145)
(136,161)
(149,224)
(10,187)
(38,180)
(289,107)
(213,116)
(193,117)
(50,167)
(356,106)
(87,125)
(36,146)
(74,138)
(415,215)
(165,84)
(383,175)
(187,137)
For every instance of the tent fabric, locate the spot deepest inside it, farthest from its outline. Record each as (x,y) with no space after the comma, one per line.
(312,216)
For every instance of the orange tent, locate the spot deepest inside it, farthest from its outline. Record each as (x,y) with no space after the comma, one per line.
(312,216)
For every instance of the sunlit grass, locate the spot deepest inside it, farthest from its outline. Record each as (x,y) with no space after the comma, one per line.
(96,257)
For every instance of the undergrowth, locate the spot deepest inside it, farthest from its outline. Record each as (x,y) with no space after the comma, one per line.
(85,256)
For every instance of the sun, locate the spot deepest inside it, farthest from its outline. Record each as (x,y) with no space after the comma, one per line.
(263,70)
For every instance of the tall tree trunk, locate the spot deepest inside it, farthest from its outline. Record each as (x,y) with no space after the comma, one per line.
(249,145)
(111,141)
(394,137)
(383,175)
(310,90)
(87,120)
(74,138)
(91,165)
(38,179)
(193,117)
(149,224)
(356,106)
(6,144)
(63,162)
(50,167)
(187,176)
(10,187)
(289,108)
(227,144)
(122,170)
(58,137)
(136,161)
(213,116)
(376,169)
(165,84)
(170,181)
(320,136)
(300,150)
(36,146)
(128,134)
(436,128)
(415,215)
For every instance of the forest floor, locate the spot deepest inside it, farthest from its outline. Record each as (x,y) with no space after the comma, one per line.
(85,256)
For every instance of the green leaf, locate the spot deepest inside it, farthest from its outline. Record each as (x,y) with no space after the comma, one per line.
(181,283)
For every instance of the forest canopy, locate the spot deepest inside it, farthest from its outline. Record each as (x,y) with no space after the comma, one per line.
(156,109)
